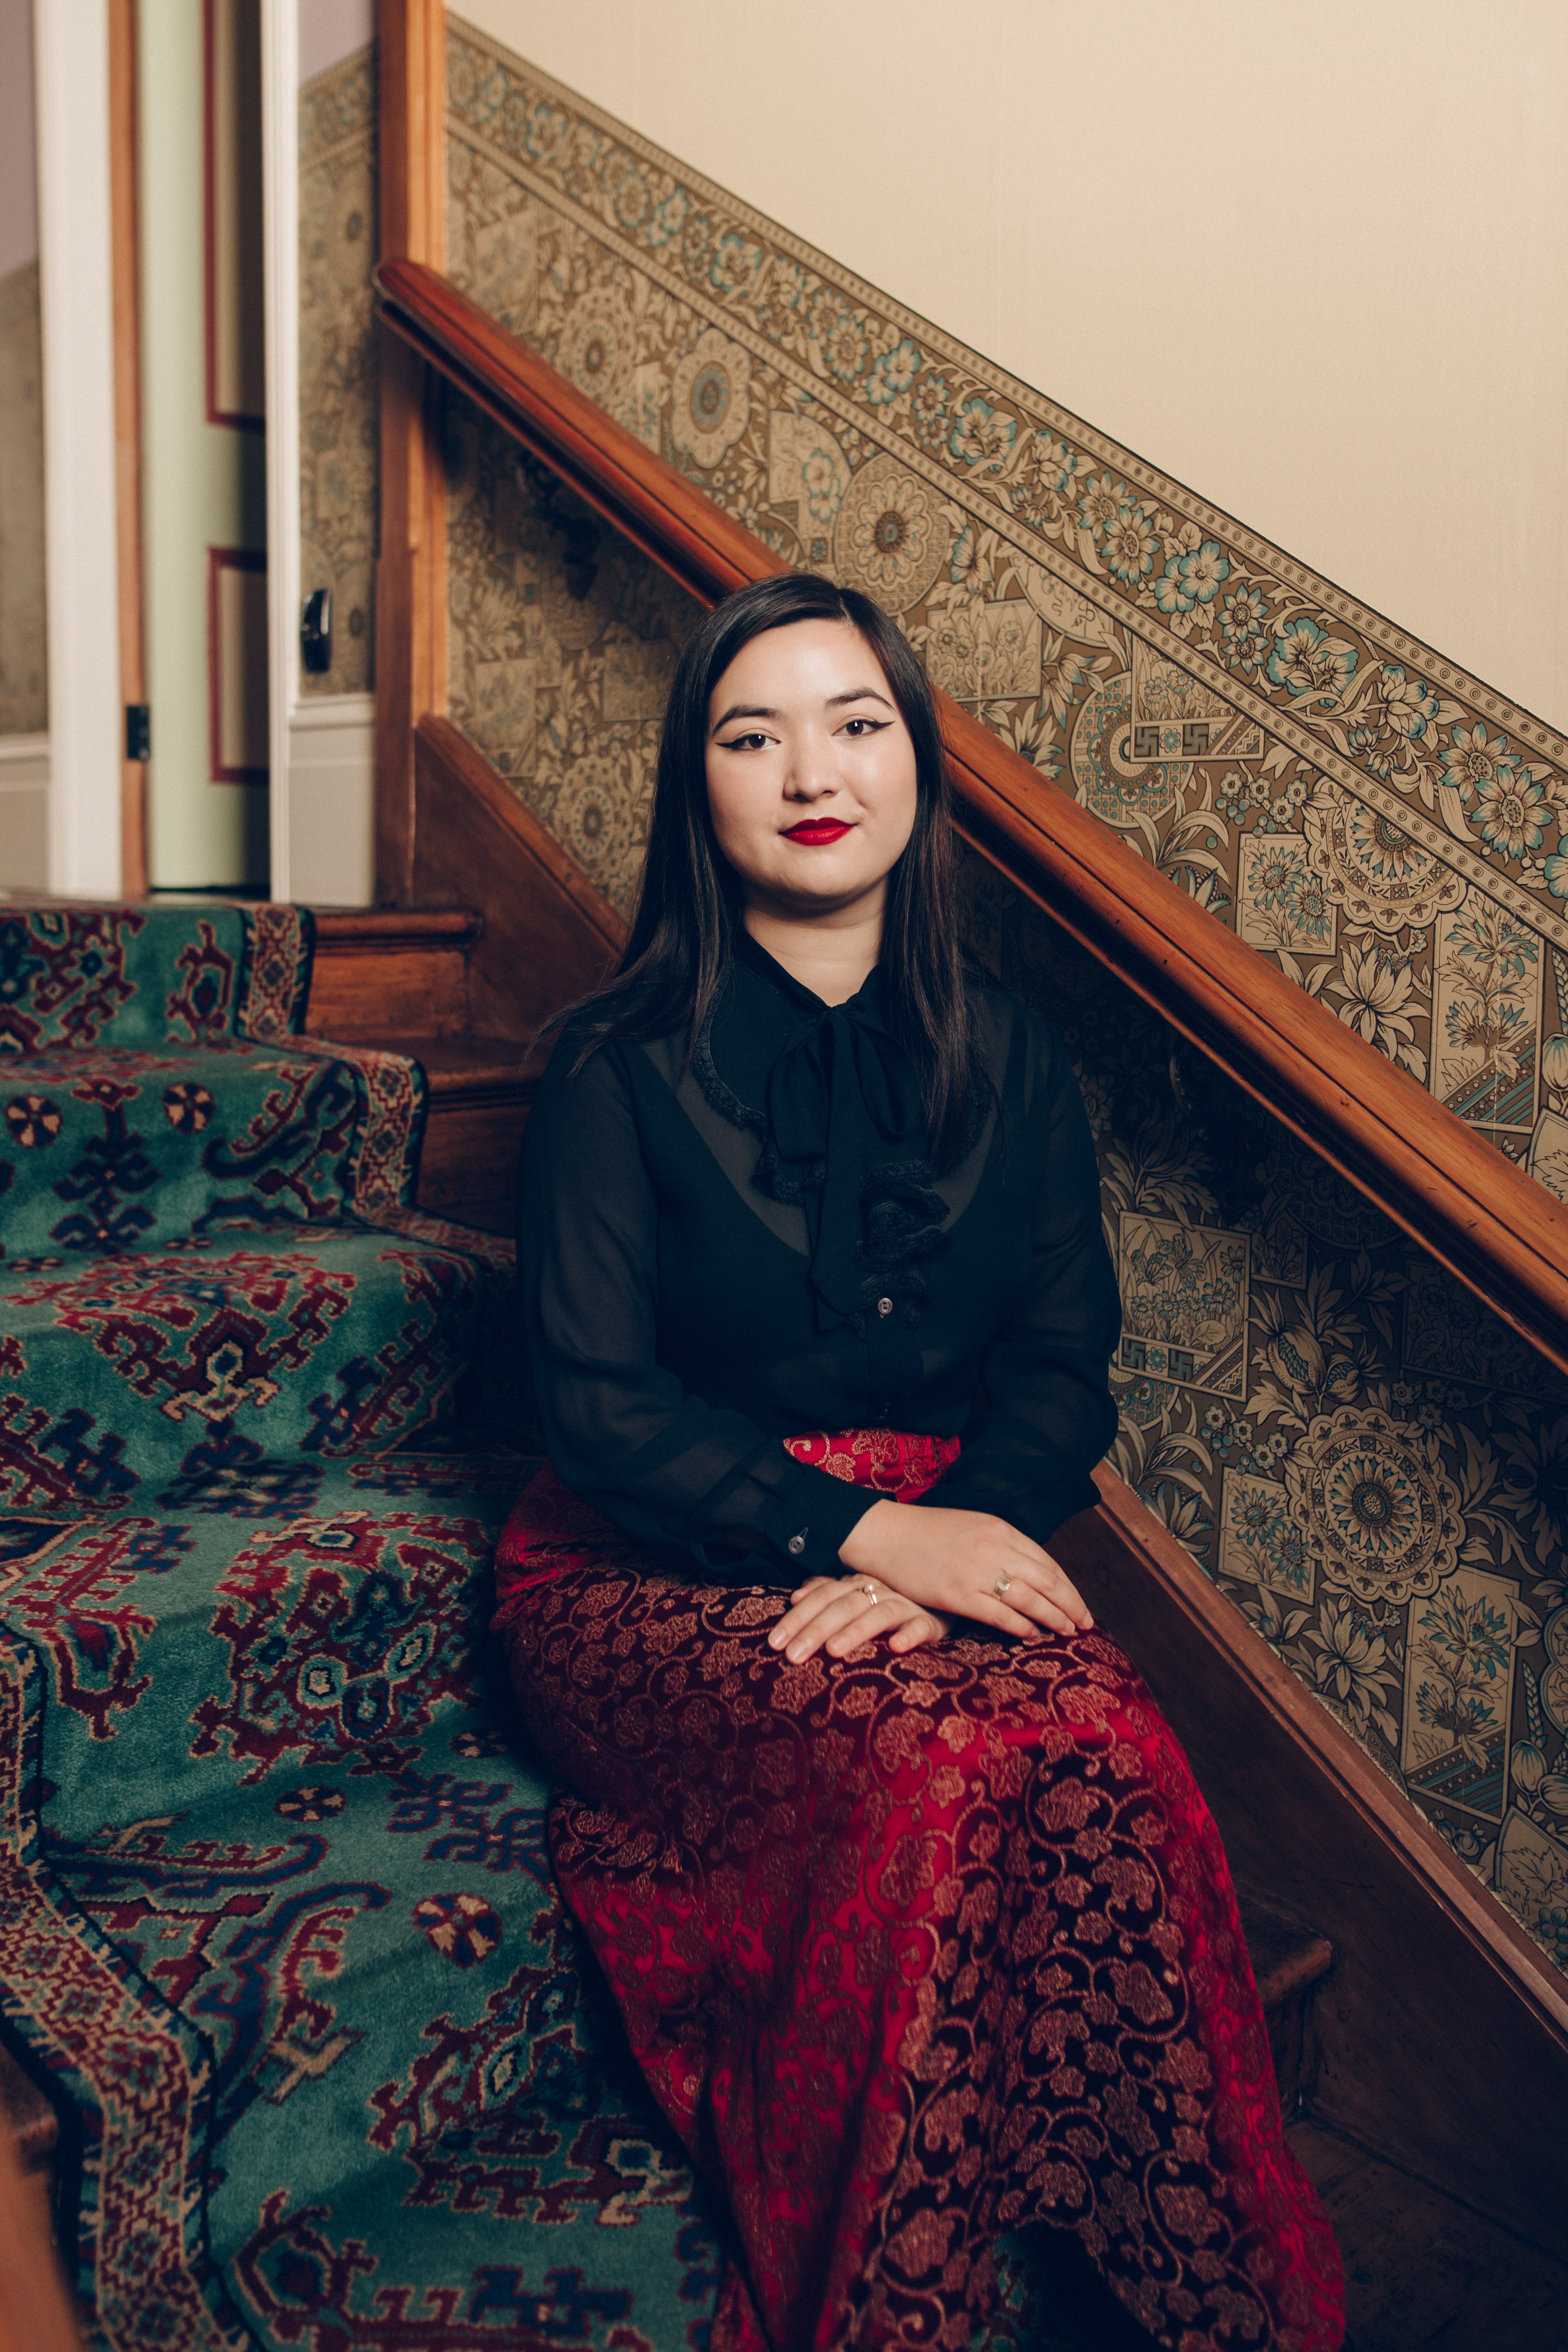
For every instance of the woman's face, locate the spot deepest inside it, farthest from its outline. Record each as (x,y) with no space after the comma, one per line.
(811,771)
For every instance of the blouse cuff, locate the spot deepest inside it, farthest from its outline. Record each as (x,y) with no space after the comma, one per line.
(808,1513)
(1036,1510)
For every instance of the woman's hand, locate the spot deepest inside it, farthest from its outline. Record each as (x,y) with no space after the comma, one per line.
(848,1612)
(966,1564)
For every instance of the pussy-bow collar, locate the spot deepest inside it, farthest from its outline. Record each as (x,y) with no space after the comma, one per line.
(836,1100)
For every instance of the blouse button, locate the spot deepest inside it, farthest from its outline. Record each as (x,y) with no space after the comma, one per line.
(884,1305)
(795,1545)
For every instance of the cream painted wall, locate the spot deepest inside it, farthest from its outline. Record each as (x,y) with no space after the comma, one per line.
(1307,256)
(202,484)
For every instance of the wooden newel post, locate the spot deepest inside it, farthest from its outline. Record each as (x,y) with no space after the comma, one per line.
(411,571)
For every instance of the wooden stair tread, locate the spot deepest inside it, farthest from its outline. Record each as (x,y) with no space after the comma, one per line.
(26,2116)
(461,1065)
(365,930)
(488,1214)
(1285,1962)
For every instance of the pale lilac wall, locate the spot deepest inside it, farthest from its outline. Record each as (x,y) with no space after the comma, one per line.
(330,30)
(18,173)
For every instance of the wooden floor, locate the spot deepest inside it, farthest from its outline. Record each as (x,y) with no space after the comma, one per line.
(1422,2270)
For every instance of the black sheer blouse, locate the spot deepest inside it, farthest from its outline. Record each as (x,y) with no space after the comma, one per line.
(717,1257)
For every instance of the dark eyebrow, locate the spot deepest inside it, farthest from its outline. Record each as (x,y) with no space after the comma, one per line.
(743,711)
(756,710)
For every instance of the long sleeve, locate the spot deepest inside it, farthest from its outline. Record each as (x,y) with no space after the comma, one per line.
(622,1432)
(1045,1416)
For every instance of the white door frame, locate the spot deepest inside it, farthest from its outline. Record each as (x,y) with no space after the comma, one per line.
(81,595)
(280,265)
(322,745)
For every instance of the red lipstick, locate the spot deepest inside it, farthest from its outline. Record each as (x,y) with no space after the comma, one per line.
(818,828)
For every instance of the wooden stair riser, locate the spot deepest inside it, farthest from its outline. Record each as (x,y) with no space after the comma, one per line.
(403,969)
(468,1165)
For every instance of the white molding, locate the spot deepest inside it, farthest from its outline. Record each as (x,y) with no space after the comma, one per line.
(281,264)
(332,816)
(315,714)
(24,813)
(25,762)
(82,594)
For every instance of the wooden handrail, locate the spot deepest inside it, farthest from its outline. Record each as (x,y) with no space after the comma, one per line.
(1502,1233)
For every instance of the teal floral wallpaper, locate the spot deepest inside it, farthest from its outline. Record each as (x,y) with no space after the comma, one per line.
(24,686)
(339,412)
(1373,1470)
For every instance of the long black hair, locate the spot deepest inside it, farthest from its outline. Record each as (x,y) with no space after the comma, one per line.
(690,902)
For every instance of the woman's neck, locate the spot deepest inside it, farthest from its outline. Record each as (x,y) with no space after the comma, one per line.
(833,956)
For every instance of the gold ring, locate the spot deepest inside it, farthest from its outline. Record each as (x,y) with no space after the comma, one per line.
(1003,1584)
(870,1590)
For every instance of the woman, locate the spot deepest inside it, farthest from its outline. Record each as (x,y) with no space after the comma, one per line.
(919,1927)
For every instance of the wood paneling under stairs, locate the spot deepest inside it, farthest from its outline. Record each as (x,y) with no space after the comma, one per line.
(400,978)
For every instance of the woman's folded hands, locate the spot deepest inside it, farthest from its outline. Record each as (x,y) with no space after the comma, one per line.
(913,1572)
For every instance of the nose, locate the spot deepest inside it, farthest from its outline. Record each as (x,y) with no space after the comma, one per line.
(811,776)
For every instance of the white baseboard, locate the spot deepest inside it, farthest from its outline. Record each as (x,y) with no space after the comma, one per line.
(331,800)
(23,812)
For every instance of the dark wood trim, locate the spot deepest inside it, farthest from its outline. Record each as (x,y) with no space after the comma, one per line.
(652,505)
(126,279)
(411,570)
(549,934)
(240,420)
(1490,1224)
(220,560)
(389,930)
(378,969)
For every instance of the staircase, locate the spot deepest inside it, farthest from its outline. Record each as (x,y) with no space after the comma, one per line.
(270,1866)
(275,1905)
(398,978)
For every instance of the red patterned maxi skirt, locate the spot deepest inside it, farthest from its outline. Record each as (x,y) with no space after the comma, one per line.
(912,1950)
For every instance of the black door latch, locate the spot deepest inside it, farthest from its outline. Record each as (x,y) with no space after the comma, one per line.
(316,631)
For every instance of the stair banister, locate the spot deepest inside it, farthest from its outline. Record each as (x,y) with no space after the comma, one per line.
(1492,1226)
